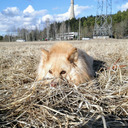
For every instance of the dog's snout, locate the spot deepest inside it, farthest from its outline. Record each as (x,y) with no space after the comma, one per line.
(54,84)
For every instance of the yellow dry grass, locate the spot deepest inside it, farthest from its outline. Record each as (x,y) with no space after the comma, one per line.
(101,103)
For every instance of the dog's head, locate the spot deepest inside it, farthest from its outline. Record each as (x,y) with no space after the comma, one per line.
(59,61)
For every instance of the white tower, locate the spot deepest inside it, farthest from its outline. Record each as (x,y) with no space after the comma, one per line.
(72,15)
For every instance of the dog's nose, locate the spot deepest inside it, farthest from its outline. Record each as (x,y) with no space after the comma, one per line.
(53,84)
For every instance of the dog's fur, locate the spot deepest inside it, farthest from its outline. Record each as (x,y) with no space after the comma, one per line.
(66,62)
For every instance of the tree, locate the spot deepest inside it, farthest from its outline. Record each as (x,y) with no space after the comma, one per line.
(62,29)
(47,27)
(1,38)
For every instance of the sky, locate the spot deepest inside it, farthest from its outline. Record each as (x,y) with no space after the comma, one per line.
(30,14)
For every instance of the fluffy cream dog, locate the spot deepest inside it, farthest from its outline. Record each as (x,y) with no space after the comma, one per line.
(64,61)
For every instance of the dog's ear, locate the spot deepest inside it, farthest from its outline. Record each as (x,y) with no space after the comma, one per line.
(73,55)
(45,54)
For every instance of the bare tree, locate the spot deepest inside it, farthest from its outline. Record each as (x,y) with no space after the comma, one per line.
(62,29)
(69,28)
(47,27)
(55,29)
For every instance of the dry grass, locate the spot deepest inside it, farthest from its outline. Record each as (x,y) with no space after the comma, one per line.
(101,103)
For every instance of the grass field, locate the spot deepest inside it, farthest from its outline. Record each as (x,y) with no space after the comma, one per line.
(101,103)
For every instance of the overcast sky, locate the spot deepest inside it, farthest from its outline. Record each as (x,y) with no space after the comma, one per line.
(33,13)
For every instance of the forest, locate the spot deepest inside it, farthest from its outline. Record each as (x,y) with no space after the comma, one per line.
(84,26)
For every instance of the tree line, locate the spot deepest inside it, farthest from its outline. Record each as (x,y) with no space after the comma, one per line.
(84,26)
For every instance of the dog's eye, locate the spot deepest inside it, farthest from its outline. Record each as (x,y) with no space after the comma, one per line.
(50,71)
(62,72)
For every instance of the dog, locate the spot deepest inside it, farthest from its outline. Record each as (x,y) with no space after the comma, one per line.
(65,62)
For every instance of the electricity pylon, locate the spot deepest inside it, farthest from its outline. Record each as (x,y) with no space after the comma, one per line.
(103,20)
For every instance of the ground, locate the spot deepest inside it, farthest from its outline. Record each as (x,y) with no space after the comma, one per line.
(102,102)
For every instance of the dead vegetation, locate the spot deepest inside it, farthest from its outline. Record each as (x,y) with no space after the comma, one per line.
(101,103)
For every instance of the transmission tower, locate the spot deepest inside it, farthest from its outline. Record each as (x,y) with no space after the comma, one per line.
(103,20)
